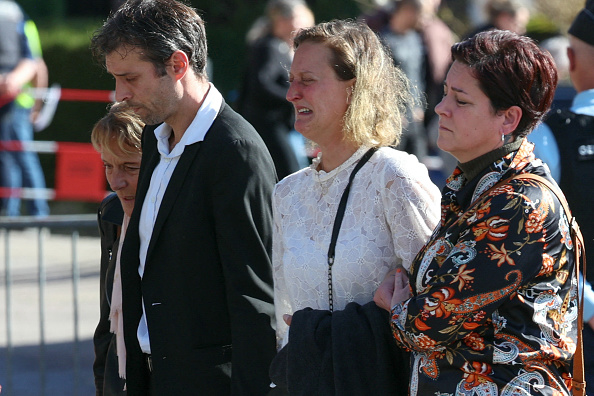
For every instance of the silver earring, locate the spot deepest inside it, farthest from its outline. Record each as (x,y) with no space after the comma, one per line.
(503,137)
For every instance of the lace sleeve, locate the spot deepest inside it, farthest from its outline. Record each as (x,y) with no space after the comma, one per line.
(282,304)
(411,206)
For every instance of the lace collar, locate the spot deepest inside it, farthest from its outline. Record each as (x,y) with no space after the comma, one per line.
(323,176)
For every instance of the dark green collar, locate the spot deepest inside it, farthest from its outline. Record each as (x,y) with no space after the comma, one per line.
(473,167)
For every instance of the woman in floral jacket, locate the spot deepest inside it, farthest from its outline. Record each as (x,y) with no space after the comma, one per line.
(493,309)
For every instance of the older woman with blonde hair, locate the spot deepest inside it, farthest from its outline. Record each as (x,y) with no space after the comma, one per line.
(336,235)
(116,137)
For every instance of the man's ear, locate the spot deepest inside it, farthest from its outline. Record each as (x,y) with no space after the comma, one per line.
(512,117)
(571,57)
(179,64)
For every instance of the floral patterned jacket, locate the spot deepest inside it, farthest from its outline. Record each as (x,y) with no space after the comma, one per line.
(494,305)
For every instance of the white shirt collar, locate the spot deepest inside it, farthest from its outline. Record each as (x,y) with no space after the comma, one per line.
(197,130)
(583,103)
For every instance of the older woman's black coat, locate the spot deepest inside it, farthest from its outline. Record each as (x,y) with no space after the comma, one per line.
(105,367)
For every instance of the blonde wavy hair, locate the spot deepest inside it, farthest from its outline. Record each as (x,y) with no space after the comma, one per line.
(121,125)
(381,92)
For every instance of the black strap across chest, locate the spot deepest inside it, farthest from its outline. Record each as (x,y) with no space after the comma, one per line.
(338,221)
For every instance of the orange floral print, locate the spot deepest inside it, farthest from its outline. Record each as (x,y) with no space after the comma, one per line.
(475,342)
(494,228)
(463,277)
(441,303)
(547,265)
(424,342)
(476,373)
(505,189)
(534,223)
(497,300)
(500,255)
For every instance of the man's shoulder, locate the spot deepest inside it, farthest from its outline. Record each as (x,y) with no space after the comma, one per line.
(235,140)
(556,118)
(230,126)
(563,119)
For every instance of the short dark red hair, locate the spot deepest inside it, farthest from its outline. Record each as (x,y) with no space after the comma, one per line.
(512,70)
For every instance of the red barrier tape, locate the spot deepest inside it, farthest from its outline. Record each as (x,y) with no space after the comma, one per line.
(11,145)
(87,95)
(6,192)
(79,173)
(76,95)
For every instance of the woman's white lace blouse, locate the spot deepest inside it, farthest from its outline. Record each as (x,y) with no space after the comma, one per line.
(391,211)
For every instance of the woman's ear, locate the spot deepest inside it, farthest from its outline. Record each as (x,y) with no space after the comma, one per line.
(350,90)
(349,93)
(512,117)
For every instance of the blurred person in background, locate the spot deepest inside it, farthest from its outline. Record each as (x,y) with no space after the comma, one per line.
(510,15)
(567,141)
(21,67)
(438,39)
(408,52)
(545,146)
(565,92)
(263,98)
(117,138)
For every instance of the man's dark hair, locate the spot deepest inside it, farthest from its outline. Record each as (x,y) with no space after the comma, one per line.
(157,28)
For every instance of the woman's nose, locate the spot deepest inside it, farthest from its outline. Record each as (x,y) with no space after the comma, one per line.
(440,107)
(117,180)
(293,93)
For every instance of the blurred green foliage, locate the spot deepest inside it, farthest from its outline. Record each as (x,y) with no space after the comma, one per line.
(49,9)
(541,27)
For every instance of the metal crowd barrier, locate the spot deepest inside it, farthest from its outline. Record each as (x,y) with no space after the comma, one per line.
(72,225)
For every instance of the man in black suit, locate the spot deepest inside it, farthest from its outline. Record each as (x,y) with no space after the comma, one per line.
(196,275)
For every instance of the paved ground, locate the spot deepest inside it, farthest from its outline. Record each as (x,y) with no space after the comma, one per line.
(61,366)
